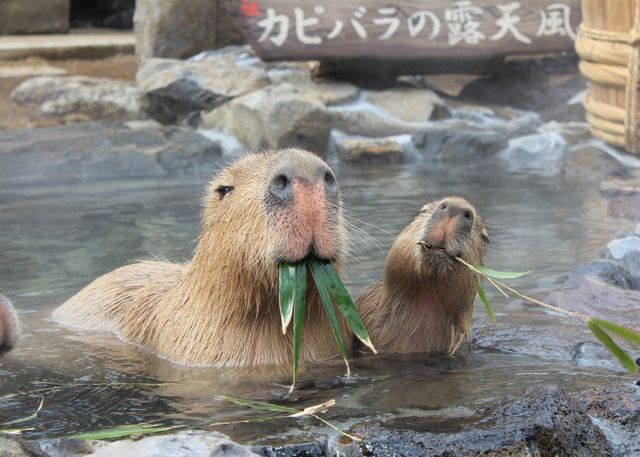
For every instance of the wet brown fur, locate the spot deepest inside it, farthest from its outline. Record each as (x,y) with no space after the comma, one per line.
(9,325)
(425,301)
(221,308)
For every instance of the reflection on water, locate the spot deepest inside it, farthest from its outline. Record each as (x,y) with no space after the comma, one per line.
(54,239)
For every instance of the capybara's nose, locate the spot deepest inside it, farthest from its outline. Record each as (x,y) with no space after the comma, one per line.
(281,185)
(454,209)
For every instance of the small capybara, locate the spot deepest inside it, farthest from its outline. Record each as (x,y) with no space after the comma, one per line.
(425,301)
(9,326)
(221,308)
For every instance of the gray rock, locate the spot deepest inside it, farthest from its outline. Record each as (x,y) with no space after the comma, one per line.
(100,150)
(184,444)
(367,120)
(625,251)
(588,296)
(592,354)
(620,188)
(34,16)
(370,150)
(408,105)
(616,411)
(84,96)
(610,273)
(591,164)
(274,117)
(544,421)
(289,72)
(474,132)
(173,90)
(182,28)
(625,207)
(292,450)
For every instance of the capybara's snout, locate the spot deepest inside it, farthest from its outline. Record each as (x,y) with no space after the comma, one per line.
(450,226)
(289,176)
(303,200)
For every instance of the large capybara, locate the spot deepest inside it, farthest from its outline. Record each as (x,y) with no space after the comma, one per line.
(221,308)
(425,301)
(9,326)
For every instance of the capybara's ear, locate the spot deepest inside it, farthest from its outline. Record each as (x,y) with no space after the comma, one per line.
(9,326)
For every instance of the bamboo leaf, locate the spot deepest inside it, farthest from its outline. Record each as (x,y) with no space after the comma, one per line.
(292,287)
(329,276)
(287,289)
(261,405)
(605,339)
(633,338)
(299,306)
(499,274)
(483,297)
(328,307)
(119,432)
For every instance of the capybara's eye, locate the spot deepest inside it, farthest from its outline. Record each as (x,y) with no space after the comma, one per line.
(224,190)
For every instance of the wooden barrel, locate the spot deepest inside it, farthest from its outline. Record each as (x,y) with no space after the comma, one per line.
(608,44)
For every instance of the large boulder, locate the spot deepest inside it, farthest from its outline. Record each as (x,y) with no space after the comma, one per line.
(34,16)
(544,421)
(409,105)
(172,90)
(82,97)
(182,28)
(104,150)
(275,117)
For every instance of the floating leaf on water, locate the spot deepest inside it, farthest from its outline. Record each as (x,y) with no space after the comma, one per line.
(25,419)
(260,405)
(122,431)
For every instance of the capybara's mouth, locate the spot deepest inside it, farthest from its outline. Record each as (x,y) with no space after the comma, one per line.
(436,250)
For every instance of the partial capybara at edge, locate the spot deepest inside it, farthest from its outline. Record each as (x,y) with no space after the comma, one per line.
(9,326)
(425,301)
(221,308)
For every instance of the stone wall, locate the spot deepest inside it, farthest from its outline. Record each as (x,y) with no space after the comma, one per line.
(34,16)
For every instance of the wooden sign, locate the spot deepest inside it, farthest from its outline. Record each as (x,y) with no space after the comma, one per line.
(403,30)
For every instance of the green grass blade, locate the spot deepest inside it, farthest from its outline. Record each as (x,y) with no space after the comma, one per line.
(260,405)
(287,288)
(499,274)
(292,287)
(299,306)
(330,277)
(25,419)
(633,338)
(605,339)
(122,431)
(328,307)
(483,297)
